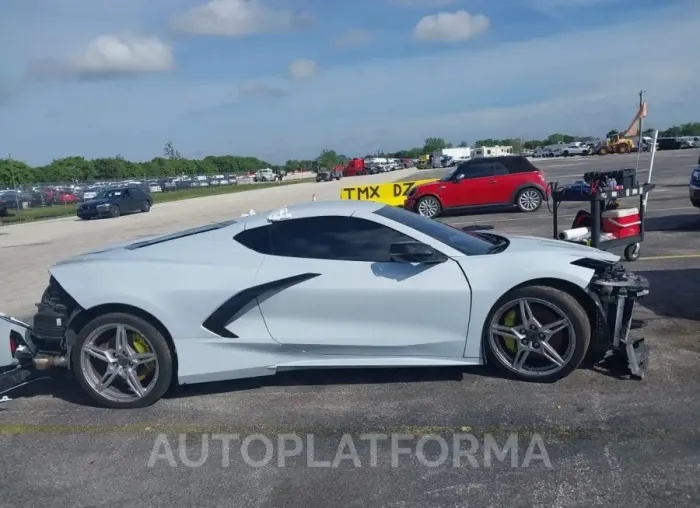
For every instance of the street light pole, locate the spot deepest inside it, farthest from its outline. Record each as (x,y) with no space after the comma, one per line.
(14,182)
(640,126)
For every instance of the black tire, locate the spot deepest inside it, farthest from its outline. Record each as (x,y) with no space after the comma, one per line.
(114,211)
(632,252)
(566,153)
(160,347)
(434,205)
(573,310)
(146,206)
(529,200)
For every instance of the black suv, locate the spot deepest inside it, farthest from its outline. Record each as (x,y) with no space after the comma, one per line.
(115,202)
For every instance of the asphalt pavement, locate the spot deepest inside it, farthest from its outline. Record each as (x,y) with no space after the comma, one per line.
(592,439)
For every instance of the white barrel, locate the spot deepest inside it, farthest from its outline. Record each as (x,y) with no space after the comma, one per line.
(573,235)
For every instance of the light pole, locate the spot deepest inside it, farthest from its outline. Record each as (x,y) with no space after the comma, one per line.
(640,126)
(14,182)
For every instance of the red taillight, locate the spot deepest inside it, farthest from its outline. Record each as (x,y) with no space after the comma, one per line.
(13,345)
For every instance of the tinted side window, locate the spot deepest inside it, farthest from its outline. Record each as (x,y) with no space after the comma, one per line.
(338,238)
(257,239)
(519,165)
(500,169)
(479,170)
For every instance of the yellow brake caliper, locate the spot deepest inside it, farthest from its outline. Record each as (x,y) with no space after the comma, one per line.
(141,346)
(509,321)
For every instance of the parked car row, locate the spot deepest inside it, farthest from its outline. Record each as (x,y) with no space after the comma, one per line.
(52,195)
(564,150)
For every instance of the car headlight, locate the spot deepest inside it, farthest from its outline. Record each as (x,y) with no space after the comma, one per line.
(103,206)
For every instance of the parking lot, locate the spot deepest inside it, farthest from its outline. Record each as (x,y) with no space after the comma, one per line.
(609,441)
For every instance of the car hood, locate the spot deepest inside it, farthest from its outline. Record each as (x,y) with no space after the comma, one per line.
(97,202)
(538,244)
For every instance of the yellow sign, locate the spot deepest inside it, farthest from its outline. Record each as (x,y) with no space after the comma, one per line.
(393,194)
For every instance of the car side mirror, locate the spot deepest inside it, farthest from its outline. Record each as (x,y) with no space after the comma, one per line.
(414,252)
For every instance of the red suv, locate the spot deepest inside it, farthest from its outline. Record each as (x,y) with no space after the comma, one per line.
(511,180)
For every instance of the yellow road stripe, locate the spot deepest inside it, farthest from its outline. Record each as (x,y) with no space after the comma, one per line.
(671,256)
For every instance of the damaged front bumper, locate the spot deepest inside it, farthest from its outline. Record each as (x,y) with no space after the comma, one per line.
(615,293)
(21,361)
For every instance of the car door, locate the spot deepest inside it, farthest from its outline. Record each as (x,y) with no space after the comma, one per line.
(341,295)
(138,197)
(126,204)
(500,186)
(470,185)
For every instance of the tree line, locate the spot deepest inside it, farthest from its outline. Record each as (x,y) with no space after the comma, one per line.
(172,163)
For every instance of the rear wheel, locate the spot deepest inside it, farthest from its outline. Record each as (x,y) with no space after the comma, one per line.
(146,206)
(122,361)
(624,148)
(529,200)
(537,333)
(114,211)
(429,206)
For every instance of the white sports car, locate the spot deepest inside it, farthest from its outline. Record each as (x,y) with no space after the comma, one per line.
(327,285)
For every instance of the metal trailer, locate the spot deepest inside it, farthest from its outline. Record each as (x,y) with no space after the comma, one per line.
(597,200)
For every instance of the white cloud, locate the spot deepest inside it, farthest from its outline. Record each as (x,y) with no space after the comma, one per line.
(450,27)
(303,69)
(353,38)
(125,54)
(108,56)
(237,18)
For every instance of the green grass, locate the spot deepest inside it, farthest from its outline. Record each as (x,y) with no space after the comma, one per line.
(56,211)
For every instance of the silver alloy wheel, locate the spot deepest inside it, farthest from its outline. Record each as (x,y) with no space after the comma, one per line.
(113,367)
(428,207)
(529,200)
(531,339)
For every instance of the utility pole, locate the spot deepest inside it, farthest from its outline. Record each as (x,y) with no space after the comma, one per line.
(640,127)
(14,182)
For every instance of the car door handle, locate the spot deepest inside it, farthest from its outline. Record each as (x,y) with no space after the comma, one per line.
(492,181)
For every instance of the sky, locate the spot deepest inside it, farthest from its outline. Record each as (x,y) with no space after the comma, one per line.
(284,79)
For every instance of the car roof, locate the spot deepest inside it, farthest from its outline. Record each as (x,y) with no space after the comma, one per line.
(314,209)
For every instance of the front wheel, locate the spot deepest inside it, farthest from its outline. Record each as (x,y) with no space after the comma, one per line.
(146,206)
(429,206)
(537,333)
(122,361)
(529,200)
(114,211)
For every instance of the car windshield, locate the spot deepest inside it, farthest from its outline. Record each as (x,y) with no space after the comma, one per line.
(468,243)
(110,193)
(449,173)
